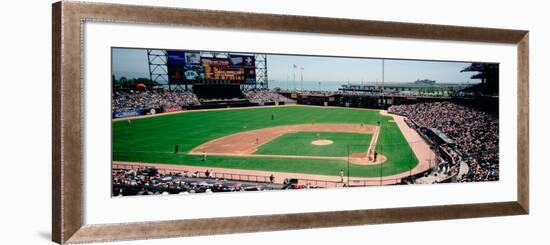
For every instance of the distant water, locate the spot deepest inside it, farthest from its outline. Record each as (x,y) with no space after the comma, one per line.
(307,85)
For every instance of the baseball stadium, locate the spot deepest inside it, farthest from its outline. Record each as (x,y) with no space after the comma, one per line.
(197,122)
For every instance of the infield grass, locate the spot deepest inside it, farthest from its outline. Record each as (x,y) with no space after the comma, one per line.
(299,144)
(152,140)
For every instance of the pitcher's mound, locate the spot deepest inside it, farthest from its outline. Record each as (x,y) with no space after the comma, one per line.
(321,142)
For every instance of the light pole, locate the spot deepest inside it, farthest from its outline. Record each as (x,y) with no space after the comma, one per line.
(294,76)
(383,61)
(302,78)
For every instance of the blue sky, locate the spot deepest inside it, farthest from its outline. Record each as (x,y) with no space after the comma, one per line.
(132,63)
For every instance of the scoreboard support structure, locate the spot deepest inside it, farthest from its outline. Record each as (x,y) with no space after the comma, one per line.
(261,71)
(158,71)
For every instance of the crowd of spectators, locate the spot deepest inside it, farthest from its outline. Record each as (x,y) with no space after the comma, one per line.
(126,101)
(148,181)
(475,134)
(264,96)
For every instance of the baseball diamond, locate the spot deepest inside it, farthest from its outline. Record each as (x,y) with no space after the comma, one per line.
(248,139)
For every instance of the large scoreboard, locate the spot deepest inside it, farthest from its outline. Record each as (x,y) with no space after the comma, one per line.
(190,67)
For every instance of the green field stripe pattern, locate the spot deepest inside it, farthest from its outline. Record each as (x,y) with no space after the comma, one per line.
(299,144)
(152,140)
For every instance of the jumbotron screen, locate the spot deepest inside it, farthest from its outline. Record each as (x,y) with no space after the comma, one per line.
(190,67)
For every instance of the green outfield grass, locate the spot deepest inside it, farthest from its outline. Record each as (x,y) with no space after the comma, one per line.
(299,144)
(153,139)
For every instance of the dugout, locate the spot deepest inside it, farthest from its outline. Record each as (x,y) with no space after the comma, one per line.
(439,137)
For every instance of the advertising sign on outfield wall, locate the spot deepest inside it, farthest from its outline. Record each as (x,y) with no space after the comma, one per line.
(131,113)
